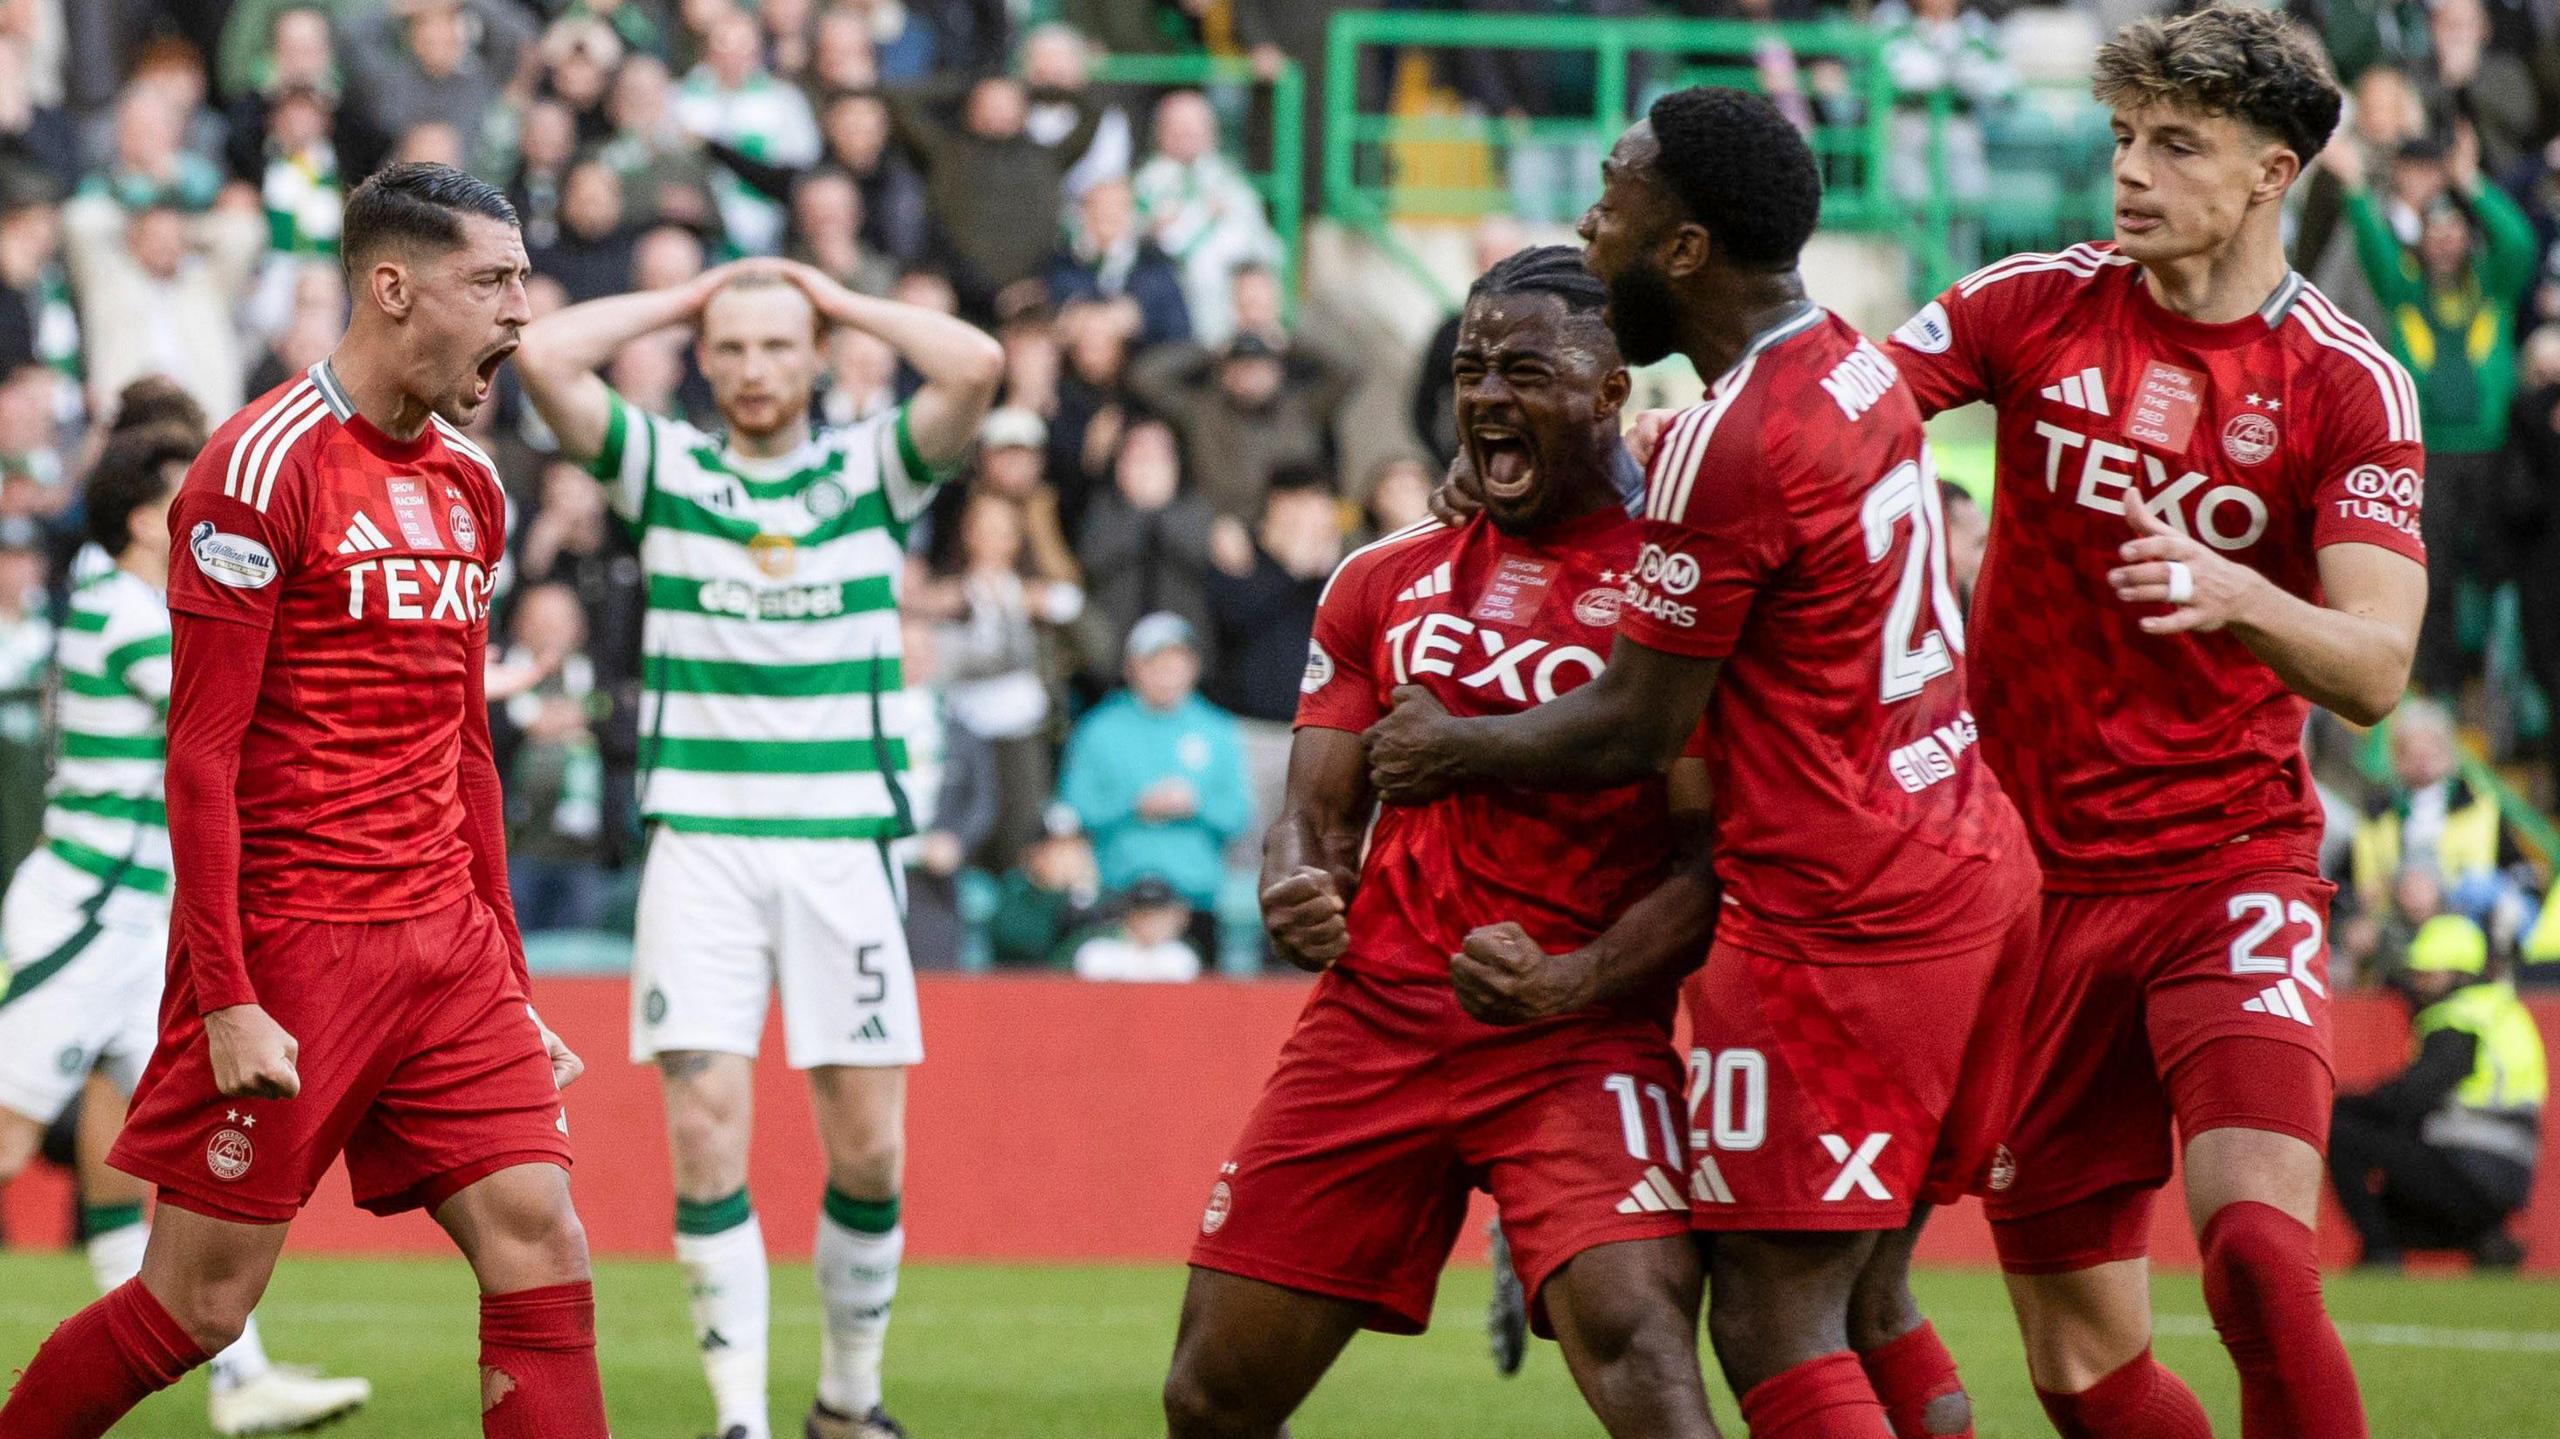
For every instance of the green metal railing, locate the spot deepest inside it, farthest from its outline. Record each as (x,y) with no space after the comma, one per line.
(1282,179)
(1362,188)
(2047,152)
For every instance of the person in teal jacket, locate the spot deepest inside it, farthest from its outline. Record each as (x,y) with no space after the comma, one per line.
(1156,774)
(2449,304)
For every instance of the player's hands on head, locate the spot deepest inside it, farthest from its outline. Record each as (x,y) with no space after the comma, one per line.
(1302,911)
(253,1058)
(2204,591)
(708,283)
(1412,752)
(566,1066)
(1503,977)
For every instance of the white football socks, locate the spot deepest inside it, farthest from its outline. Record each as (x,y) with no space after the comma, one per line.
(859,1245)
(720,1247)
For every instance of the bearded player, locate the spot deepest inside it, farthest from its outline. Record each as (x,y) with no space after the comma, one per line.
(775,776)
(1853,1020)
(2208,493)
(345,974)
(1548,1083)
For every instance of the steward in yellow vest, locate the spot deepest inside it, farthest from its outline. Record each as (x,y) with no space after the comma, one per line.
(2440,1155)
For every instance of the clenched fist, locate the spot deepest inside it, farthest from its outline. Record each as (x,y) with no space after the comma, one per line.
(1503,977)
(1302,911)
(252,1055)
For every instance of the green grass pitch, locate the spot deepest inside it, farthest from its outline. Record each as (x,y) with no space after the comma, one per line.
(989,1352)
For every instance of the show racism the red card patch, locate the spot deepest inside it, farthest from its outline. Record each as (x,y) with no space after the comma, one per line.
(2165,406)
(1516,591)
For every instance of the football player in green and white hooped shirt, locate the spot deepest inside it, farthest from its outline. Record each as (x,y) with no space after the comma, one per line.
(84,930)
(772,762)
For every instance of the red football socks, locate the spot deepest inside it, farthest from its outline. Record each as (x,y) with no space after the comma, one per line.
(1911,1373)
(2139,1401)
(1825,1398)
(99,1363)
(2262,1283)
(538,1364)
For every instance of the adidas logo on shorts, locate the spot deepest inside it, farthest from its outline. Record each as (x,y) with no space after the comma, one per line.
(2282,999)
(1653,1194)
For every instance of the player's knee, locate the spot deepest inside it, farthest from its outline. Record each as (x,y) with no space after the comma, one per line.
(559,1245)
(868,1169)
(2069,1349)
(1620,1323)
(1198,1406)
(214,1312)
(539,1239)
(709,1151)
(1881,1313)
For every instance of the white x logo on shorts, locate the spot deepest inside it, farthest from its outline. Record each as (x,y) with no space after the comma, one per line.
(1857,1168)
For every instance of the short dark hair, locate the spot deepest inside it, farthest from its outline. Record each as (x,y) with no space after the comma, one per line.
(1544,270)
(419,204)
(133,471)
(2254,65)
(1740,169)
(156,400)
(1298,477)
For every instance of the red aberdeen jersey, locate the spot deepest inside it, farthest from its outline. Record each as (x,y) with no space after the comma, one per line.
(1490,624)
(1793,531)
(2141,760)
(364,566)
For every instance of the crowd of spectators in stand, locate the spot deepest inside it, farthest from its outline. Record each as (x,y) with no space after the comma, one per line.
(1109,610)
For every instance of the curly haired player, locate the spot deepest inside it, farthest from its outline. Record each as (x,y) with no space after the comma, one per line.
(2208,498)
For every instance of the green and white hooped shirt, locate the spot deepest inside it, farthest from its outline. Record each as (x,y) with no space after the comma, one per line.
(105,814)
(773,703)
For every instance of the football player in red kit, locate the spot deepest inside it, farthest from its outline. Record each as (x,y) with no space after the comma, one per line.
(345,974)
(1853,1019)
(1394,1096)
(2207,513)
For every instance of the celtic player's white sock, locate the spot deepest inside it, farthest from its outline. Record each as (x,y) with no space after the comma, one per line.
(720,1247)
(859,1243)
(116,1239)
(245,1360)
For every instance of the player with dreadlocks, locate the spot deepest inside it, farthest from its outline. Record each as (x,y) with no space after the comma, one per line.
(1553,1085)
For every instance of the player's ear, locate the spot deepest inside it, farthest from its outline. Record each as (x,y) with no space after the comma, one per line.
(1689,250)
(2278,167)
(1614,389)
(388,281)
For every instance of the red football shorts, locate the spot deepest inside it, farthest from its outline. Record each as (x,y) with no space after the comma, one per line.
(1835,1096)
(419,1060)
(2135,996)
(1390,1104)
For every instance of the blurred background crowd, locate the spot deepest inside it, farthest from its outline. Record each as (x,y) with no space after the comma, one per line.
(1110,609)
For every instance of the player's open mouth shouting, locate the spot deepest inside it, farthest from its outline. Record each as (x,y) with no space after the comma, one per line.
(487,369)
(1505,460)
